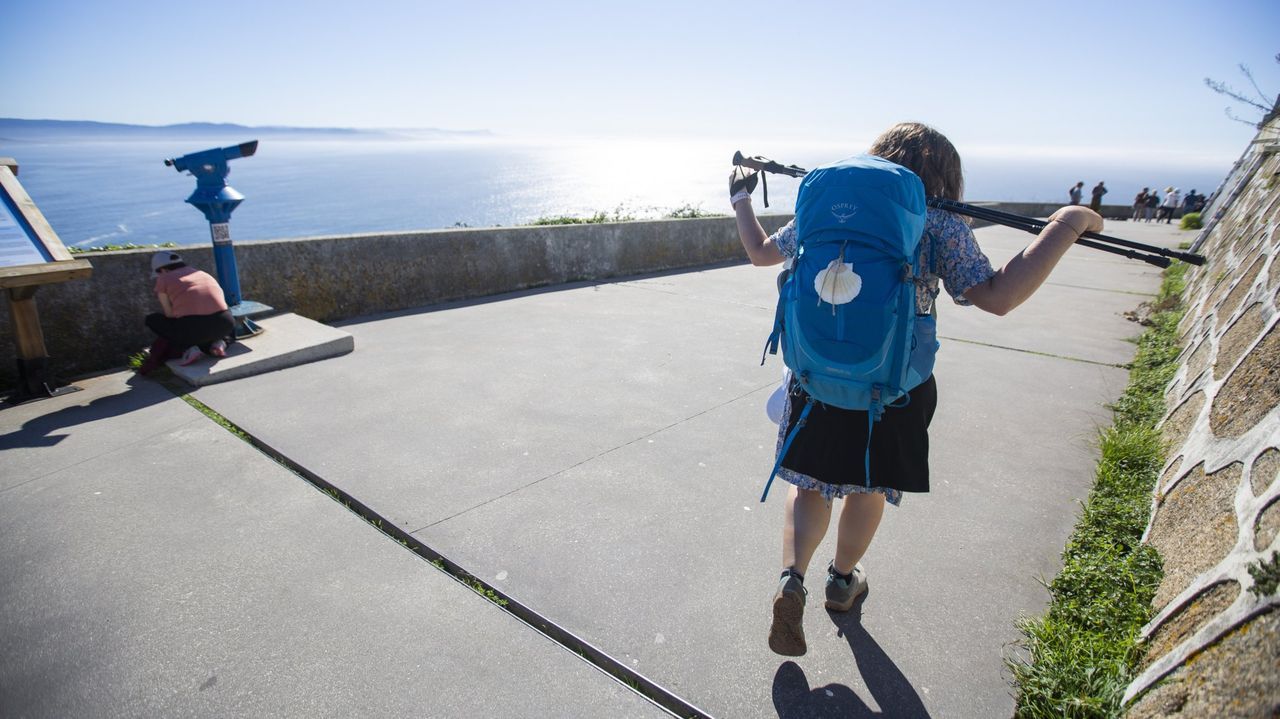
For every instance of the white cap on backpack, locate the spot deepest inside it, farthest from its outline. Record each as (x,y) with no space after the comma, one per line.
(160,259)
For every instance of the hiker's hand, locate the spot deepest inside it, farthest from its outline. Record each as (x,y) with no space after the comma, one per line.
(1079,218)
(742,179)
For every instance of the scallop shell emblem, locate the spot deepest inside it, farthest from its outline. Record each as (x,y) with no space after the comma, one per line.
(838,283)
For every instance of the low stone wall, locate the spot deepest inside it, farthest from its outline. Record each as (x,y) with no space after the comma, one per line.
(1213,648)
(1044,209)
(95,324)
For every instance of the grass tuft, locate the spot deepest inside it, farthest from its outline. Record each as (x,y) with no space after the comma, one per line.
(213,415)
(1266,576)
(1078,658)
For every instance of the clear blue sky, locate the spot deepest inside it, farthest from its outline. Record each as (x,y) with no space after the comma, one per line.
(1074,78)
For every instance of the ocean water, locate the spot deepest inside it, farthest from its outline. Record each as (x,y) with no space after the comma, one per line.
(97,193)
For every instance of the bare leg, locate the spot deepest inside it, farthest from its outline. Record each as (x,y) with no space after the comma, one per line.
(859,519)
(807,517)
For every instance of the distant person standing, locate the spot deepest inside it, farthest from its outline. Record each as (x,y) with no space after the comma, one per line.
(1140,204)
(1153,200)
(1170,205)
(1191,203)
(1095,202)
(1076,193)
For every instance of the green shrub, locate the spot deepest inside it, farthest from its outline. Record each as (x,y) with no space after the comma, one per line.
(690,212)
(1191,221)
(618,215)
(77,250)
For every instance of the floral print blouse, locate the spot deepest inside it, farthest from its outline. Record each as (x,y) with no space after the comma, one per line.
(948,252)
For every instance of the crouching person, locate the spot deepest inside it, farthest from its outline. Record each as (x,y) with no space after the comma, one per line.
(194,320)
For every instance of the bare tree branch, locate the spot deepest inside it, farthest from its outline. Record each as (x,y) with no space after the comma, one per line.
(1269,108)
(1253,82)
(1223,88)
(1227,111)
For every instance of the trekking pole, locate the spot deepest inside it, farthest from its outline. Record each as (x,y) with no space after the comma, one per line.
(1157,255)
(1000,216)
(1034,226)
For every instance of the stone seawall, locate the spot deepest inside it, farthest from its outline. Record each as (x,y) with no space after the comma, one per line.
(1044,209)
(95,324)
(1213,648)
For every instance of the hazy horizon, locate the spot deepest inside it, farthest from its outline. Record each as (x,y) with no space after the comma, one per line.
(1093,78)
(119,191)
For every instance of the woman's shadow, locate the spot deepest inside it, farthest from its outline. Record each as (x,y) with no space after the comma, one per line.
(43,430)
(793,698)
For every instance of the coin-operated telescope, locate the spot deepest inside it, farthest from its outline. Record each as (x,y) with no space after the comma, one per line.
(216,199)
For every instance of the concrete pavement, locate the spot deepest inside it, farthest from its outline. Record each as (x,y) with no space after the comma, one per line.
(594,451)
(156,565)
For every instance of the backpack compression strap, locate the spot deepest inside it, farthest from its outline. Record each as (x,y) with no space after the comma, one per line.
(804,415)
(771,344)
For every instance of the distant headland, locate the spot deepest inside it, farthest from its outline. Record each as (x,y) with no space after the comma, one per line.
(15,129)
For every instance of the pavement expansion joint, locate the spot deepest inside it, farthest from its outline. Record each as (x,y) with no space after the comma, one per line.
(594,656)
(1100,289)
(1035,352)
(594,457)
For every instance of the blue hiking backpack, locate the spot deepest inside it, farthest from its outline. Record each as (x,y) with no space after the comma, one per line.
(846,316)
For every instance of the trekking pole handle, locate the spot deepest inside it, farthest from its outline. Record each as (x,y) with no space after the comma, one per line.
(766,165)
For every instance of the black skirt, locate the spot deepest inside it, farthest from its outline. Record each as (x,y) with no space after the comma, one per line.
(832,445)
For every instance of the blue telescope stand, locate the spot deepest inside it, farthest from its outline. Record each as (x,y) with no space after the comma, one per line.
(216,199)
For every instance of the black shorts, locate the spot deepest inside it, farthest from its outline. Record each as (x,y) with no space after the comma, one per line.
(832,445)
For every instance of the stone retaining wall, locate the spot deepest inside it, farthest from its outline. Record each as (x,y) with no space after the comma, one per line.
(1213,648)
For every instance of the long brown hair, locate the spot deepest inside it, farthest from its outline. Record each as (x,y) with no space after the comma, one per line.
(926,152)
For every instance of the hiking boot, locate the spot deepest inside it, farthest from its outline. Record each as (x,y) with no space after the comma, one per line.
(786,636)
(191,355)
(218,349)
(841,593)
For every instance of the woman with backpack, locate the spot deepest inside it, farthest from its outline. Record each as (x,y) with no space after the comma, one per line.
(829,460)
